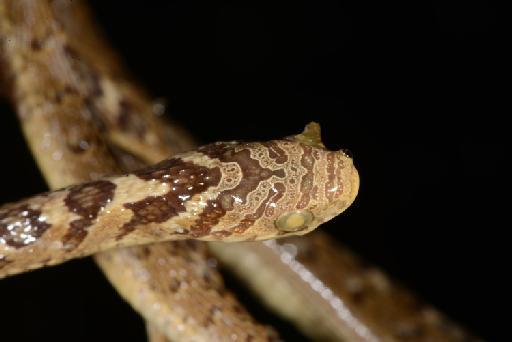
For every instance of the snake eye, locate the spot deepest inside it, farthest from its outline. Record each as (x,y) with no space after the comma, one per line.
(294,220)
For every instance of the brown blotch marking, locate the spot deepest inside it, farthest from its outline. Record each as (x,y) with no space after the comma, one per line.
(88,76)
(252,174)
(90,104)
(175,285)
(21,226)
(90,79)
(275,152)
(130,120)
(153,209)
(358,296)
(273,195)
(86,200)
(76,233)
(146,251)
(306,185)
(208,218)
(218,149)
(186,180)
(35,44)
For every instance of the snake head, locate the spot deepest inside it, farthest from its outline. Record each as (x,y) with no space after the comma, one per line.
(274,188)
(326,184)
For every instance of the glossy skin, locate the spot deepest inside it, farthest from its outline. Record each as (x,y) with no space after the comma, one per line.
(223,191)
(228,191)
(124,134)
(192,303)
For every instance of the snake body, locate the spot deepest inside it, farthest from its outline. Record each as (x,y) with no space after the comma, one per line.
(123,121)
(223,191)
(175,302)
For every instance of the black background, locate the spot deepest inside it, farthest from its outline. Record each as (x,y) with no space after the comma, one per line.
(412,89)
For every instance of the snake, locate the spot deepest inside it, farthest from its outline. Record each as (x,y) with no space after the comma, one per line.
(188,291)
(228,191)
(83,241)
